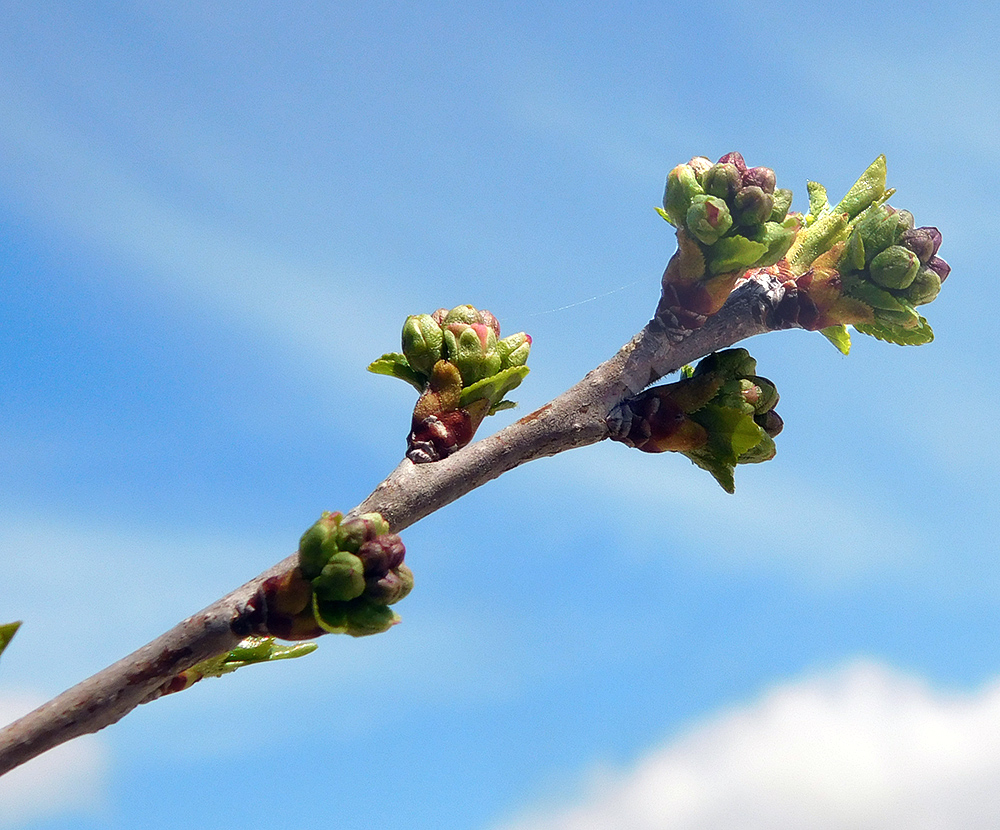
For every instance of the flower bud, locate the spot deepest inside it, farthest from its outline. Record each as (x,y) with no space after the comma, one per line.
(770,422)
(489,320)
(473,349)
(389,588)
(924,288)
(314,544)
(682,187)
(422,341)
(894,268)
(924,242)
(341,579)
(708,218)
(700,165)
(364,618)
(762,177)
(736,159)
(727,364)
(381,554)
(722,181)
(939,267)
(752,206)
(764,398)
(463,314)
(514,349)
(356,531)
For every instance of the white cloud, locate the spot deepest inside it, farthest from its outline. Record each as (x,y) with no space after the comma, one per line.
(67,779)
(865,748)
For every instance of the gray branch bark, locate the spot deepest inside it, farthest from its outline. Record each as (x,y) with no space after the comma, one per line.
(575,418)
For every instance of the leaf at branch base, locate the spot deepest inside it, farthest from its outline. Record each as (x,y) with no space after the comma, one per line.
(395,365)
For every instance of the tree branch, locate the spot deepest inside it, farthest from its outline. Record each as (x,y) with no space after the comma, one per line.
(576,418)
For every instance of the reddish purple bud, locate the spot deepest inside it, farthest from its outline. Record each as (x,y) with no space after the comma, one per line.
(381,555)
(762,177)
(924,242)
(491,321)
(939,267)
(734,158)
(770,422)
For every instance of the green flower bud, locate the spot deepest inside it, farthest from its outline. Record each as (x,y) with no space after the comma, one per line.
(682,187)
(924,288)
(894,268)
(422,341)
(514,350)
(752,206)
(700,165)
(473,349)
(341,579)
(882,228)
(364,618)
(463,314)
(722,181)
(314,544)
(708,218)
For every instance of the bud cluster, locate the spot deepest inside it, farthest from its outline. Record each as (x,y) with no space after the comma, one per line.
(349,573)
(463,369)
(729,218)
(718,415)
(862,263)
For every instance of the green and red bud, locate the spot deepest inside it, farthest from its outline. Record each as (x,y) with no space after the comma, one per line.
(514,350)
(463,370)
(719,415)
(472,348)
(361,571)
(708,218)
(729,218)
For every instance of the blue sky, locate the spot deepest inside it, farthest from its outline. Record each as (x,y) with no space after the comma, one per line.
(213,216)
